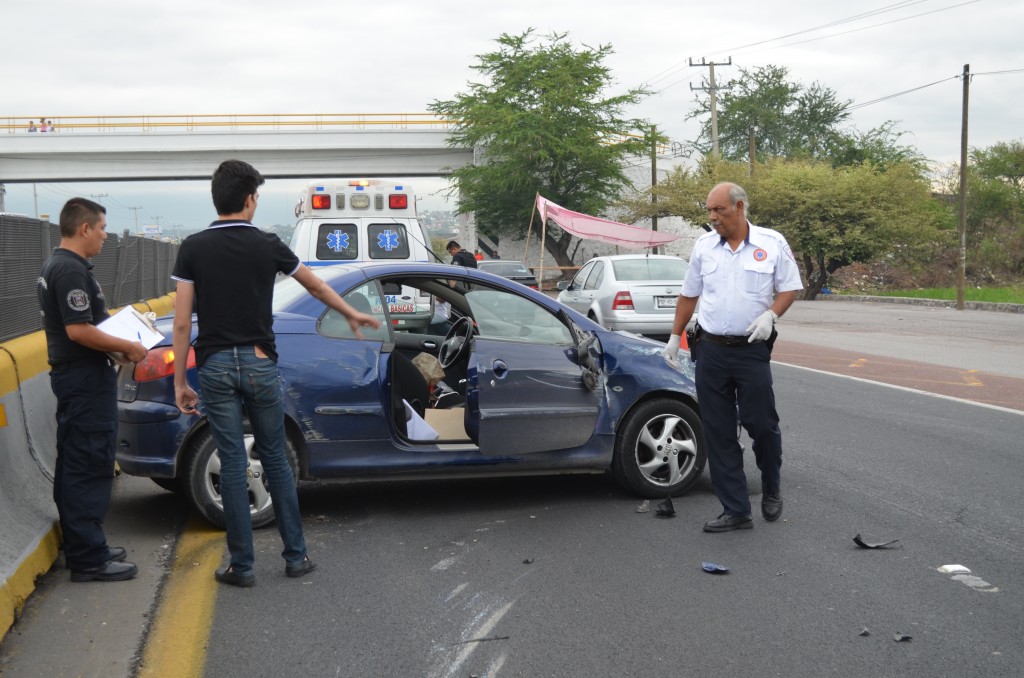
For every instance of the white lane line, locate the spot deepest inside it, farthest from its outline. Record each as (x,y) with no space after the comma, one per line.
(904,388)
(480,632)
(456,591)
(444,564)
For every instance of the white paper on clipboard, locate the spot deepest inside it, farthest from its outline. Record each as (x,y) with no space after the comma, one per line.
(131,325)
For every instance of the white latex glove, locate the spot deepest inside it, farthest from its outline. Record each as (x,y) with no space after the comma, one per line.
(762,326)
(671,351)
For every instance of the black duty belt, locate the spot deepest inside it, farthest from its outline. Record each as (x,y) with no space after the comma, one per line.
(726,339)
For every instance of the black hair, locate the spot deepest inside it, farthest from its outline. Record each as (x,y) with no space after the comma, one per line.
(451,244)
(232,183)
(76,212)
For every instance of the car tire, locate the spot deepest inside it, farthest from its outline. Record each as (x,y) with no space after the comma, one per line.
(204,480)
(659,449)
(170,484)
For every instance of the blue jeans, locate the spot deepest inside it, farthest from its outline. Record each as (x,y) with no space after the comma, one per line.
(230,379)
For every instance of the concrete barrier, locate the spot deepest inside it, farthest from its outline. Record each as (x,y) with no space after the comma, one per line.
(29,532)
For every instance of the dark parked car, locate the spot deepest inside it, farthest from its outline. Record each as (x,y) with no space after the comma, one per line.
(507,268)
(521,384)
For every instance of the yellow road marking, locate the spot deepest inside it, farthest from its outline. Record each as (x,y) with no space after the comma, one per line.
(176,645)
(971,380)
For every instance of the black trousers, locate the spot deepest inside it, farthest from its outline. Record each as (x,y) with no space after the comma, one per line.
(737,382)
(84,474)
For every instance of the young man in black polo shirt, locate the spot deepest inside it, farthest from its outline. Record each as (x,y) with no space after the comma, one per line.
(85,384)
(230,270)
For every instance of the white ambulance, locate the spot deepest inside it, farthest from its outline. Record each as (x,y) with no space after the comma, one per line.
(345,220)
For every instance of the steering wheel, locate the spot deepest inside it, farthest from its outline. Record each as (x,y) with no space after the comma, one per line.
(456,342)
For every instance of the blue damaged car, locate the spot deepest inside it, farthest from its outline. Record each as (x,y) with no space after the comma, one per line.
(470,374)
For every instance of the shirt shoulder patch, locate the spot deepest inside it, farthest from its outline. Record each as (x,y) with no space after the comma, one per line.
(78,300)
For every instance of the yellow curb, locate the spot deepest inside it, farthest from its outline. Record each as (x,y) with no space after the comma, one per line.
(17,588)
(176,645)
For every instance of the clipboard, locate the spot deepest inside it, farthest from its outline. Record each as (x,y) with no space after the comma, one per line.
(131,325)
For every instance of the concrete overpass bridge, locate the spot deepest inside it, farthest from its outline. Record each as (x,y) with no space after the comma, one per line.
(172,147)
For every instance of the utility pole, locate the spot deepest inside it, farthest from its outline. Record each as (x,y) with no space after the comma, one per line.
(135,210)
(713,89)
(654,178)
(961,270)
(3,192)
(98,196)
(753,153)
(35,201)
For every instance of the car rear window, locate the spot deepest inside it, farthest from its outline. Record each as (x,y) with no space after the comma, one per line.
(649,269)
(504,268)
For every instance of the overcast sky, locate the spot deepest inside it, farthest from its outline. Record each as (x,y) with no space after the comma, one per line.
(67,57)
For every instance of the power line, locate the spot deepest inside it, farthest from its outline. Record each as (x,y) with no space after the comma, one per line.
(675,68)
(1015,70)
(864,28)
(899,94)
(887,8)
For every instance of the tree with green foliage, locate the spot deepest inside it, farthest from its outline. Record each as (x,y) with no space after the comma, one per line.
(831,216)
(995,211)
(789,120)
(541,121)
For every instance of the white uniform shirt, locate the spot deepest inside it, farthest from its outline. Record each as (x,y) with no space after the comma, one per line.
(736,287)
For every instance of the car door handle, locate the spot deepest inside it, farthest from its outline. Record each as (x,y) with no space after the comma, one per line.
(499,368)
(429,345)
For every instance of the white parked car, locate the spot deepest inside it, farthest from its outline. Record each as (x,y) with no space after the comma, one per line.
(632,292)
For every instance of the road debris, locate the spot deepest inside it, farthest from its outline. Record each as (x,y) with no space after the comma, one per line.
(864,544)
(666,509)
(714,568)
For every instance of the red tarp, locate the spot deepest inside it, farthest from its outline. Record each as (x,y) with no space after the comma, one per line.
(593,228)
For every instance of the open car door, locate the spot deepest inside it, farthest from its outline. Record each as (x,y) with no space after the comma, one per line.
(529,391)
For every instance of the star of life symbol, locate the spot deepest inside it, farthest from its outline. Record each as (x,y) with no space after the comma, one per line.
(337,241)
(387,240)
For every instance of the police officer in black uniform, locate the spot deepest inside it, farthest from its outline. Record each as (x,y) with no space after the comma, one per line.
(85,383)
(745,277)
(460,257)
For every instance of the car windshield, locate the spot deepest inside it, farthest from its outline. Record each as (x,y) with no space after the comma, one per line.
(504,268)
(649,269)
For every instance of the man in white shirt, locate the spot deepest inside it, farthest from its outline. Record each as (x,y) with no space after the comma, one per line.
(735,271)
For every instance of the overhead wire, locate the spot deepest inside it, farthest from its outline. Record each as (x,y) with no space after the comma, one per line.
(887,8)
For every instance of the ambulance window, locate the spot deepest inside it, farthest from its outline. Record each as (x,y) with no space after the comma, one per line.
(387,241)
(337,242)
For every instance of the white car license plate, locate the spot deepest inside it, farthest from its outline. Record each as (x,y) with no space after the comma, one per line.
(665,302)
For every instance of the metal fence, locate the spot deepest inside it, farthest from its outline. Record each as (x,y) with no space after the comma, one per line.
(129,269)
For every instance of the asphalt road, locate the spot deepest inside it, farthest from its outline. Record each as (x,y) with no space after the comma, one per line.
(561,576)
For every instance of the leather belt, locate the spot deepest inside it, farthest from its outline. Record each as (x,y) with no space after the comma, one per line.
(726,339)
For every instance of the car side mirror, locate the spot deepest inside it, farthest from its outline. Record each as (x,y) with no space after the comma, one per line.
(562,285)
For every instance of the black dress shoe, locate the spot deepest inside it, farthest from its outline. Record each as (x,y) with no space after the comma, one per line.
(727,522)
(771,506)
(305,567)
(109,571)
(117,554)
(227,575)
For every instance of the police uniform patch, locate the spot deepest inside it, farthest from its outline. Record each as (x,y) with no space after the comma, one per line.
(78,300)
(760,254)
